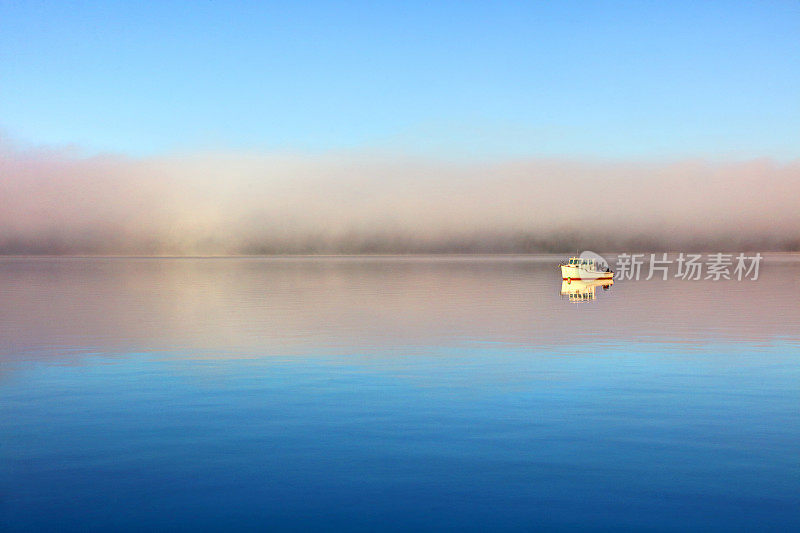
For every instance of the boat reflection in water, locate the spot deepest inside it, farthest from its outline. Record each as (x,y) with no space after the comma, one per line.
(583,291)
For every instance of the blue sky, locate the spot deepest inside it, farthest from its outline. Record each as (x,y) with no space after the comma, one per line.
(617,80)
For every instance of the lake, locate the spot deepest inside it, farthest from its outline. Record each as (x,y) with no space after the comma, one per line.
(394,393)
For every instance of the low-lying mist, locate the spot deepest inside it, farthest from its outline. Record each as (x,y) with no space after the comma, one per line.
(56,202)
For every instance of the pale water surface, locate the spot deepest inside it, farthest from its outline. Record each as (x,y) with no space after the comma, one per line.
(394,393)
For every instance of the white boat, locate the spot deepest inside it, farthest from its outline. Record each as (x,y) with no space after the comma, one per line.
(577,268)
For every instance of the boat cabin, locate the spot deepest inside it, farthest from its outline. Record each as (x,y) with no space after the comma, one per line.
(587,264)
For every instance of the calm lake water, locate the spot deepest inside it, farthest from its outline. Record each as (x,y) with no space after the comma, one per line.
(434,393)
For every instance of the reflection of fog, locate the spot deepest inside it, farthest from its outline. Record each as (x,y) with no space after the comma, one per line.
(259,307)
(583,291)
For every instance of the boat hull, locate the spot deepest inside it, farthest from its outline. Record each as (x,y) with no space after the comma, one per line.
(579,274)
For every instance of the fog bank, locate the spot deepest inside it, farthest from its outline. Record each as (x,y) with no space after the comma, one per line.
(56,202)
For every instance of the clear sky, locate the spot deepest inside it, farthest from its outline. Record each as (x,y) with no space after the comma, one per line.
(619,80)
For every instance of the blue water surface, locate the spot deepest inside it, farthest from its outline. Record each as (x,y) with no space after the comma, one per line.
(449,427)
